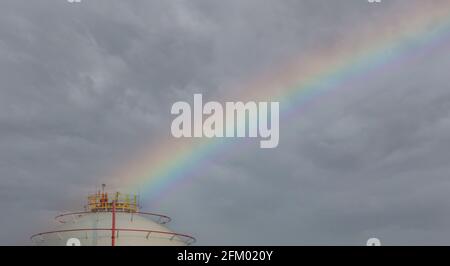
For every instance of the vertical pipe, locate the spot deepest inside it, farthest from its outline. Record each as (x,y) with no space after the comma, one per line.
(113,227)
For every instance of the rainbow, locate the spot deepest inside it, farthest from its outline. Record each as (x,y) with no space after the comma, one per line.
(379,46)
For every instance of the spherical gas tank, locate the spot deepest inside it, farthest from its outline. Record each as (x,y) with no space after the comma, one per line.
(96,229)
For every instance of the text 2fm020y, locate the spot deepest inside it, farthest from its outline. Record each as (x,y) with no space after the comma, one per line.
(226,255)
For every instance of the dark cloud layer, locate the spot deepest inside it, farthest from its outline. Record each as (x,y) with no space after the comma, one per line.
(85,85)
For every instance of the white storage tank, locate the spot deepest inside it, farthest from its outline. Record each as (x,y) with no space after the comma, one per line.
(115,221)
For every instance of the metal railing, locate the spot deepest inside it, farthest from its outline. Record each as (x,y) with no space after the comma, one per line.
(161,219)
(188,240)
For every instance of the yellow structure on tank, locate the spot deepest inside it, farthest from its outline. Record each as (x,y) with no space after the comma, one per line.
(99,202)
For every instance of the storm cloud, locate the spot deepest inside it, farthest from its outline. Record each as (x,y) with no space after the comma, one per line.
(84,86)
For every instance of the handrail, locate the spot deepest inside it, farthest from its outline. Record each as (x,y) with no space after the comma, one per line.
(188,239)
(108,205)
(162,219)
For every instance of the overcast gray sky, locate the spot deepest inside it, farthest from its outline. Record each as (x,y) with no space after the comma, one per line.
(83,86)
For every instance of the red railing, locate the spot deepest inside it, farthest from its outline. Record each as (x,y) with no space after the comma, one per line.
(188,240)
(162,219)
